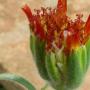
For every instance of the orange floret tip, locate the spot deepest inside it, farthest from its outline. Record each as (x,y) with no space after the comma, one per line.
(56,29)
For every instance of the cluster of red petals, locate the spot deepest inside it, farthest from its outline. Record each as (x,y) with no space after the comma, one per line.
(55,28)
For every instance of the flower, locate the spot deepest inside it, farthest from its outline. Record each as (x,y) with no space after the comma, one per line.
(57,29)
(60,45)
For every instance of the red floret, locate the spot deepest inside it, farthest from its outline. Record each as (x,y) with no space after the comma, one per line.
(56,29)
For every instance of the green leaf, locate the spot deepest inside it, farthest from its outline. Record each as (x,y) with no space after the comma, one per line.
(33,44)
(84,58)
(17,79)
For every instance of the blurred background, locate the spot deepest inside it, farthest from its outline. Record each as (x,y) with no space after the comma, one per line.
(15,54)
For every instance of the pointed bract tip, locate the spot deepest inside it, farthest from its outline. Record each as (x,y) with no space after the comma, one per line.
(28,12)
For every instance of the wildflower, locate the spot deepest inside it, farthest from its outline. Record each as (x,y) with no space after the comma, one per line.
(60,45)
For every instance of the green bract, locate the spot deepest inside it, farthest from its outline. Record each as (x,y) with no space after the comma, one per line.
(60,45)
(64,72)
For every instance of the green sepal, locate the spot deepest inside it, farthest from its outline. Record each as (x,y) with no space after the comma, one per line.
(84,58)
(88,52)
(75,65)
(53,72)
(38,50)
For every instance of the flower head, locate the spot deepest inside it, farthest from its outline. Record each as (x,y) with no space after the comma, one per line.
(61,46)
(56,29)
